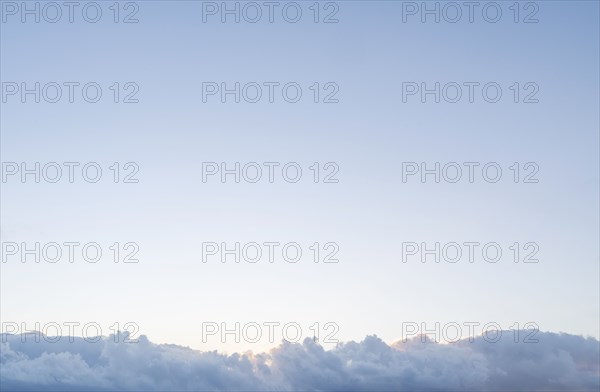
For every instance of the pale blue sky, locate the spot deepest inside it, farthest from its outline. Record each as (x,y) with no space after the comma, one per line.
(369,213)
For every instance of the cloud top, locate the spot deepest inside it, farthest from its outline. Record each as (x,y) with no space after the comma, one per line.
(556,361)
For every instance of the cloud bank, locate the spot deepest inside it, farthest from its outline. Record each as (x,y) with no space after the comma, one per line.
(556,362)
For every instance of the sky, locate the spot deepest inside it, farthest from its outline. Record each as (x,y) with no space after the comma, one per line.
(368,121)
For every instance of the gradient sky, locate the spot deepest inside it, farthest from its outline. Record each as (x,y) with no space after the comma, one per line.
(369,133)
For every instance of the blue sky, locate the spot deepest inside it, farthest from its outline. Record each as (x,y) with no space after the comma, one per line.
(369,133)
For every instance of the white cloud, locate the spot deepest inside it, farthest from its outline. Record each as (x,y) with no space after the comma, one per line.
(557,361)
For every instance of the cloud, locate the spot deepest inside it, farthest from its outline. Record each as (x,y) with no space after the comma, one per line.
(556,361)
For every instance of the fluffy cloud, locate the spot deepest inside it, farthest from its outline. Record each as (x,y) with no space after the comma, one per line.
(557,361)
